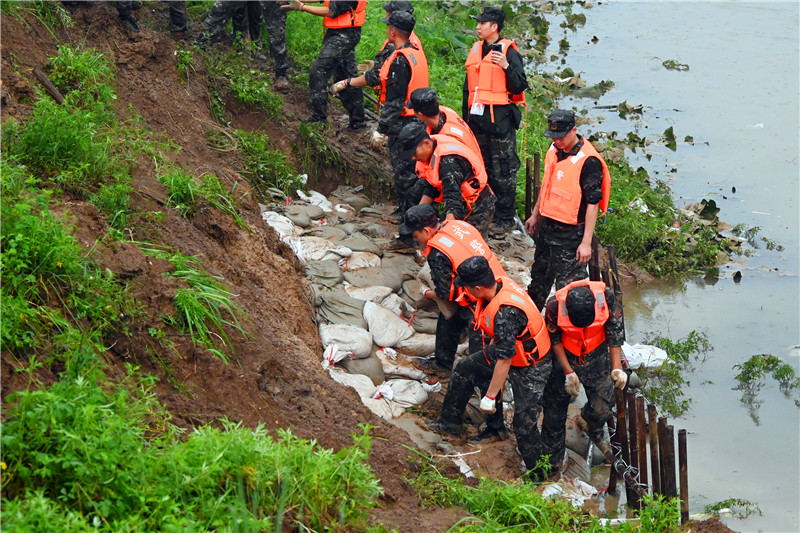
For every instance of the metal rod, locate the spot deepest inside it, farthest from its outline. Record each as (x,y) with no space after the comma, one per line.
(618,467)
(48,85)
(642,436)
(662,453)
(684,475)
(528,188)
(652,426)
(672,488)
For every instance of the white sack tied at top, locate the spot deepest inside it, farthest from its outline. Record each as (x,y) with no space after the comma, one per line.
(386,327)
(354,341)
(281,224)
(312,248)
(315,198)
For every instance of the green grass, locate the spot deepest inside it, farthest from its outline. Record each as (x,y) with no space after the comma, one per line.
(188,194)
(499,506)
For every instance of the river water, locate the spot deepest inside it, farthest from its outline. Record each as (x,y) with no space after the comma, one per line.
(739,101)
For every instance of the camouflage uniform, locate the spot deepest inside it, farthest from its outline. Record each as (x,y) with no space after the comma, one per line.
(527,384)
(498,139)
(275,22)
(453,171)
(177,14)
(594,372)
(337,59)
(391,122)
(557,243)
(448,331)
(242,14)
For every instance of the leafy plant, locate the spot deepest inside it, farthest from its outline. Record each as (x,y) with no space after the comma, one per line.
(219,197)
(250,86)
(264,165)
(113,199)
(666,386)
(50,14)
(184,61)
(184,191)
(736,506)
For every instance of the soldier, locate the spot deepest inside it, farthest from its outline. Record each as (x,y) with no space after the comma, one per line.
(447,244)
(494,85)
(342,20)
(245,16)
(518,349)
(586,331)
(441,119)
(275,22)
(452,174)
(371,68)
(576,186)
(403,71)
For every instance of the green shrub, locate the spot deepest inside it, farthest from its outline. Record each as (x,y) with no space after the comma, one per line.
(184,191)
(86,76)
(114,200)
(264,165)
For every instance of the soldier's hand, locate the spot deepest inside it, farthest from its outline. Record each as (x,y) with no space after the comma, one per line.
(583,254)
(366,66)
(572,384)
(294,5)
(530,224)
(340,86)
(620,378)
(378,140)
(488,405)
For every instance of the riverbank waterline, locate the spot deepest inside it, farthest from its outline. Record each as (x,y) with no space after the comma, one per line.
(739,102)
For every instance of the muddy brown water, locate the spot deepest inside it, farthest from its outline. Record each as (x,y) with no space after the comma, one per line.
(739,101)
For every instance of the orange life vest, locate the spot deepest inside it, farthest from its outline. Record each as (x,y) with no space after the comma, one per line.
(413,39)
(419,74)
(512,294)
(561,184)
(459,241)
(581,341)
(471,188)
(487,80)
(455,127)
(351,19)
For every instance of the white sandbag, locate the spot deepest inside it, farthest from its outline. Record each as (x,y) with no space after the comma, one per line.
(352,339)
(317,249)
(281,224)
(395,304)
(386,409)
(516,271)
(398,365)
(315,198)
(386,327)
(359,260)
(419,345)
(362,384)
(375,293)
(424,276)
(644,355)
(333,355)
(408,392)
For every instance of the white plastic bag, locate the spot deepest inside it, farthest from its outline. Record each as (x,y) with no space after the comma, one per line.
(359,260)
(315,198)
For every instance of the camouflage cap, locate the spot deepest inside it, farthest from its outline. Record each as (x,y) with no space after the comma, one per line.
(425,101)
(580,306)
(398,5)
(402,20)
(474,271)
(418,217)
(559,123)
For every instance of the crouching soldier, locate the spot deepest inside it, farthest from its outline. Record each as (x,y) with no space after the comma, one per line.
(446,245)
(519,349)
(586,331)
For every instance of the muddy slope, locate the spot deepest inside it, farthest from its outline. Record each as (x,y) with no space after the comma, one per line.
(276,379)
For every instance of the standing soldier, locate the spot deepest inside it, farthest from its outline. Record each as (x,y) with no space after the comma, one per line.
(576,186)
(342,20)
(275,22)
(494,85)
(403,71)
(371,68)
(519,349)
(451,173)
(586,330)
(447,245)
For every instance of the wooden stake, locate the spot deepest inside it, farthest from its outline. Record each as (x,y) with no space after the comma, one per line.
(652,426)
(684,475)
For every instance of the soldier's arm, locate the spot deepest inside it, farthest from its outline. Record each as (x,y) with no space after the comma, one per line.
(516,79)
(399,77)
(453,171)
